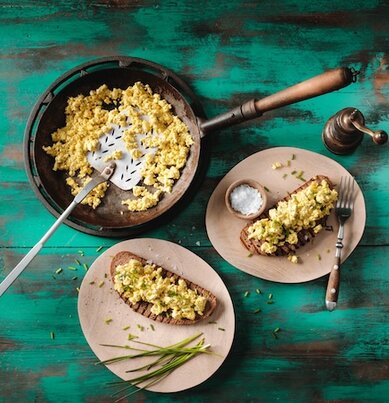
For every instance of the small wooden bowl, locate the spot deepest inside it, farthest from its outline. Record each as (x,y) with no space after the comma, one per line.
(254,184)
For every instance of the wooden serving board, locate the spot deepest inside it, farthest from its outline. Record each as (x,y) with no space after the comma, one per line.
(316,257)
(99,303)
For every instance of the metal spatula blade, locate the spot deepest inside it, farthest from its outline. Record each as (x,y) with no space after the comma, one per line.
(128,170)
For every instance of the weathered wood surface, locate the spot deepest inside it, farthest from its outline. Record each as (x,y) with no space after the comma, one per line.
(228,53)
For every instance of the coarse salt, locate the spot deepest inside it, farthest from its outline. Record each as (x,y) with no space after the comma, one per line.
(246,199)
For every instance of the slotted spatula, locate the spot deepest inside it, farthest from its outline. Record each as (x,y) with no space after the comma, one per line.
(124,173)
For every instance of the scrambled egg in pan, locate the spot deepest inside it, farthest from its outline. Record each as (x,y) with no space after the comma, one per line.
(87,119)
(302,211)
(171,295)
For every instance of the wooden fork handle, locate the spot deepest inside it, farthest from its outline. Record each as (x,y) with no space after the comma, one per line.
(333,285)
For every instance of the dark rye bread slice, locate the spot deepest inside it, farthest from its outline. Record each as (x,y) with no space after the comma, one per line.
(304,236)
(144,308)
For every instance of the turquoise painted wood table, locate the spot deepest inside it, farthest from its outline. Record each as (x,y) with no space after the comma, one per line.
(228,53)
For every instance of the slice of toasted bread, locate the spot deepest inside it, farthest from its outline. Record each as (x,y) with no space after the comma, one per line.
(304,236)
(144,308)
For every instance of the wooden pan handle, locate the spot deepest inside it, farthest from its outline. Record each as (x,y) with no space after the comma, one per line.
(323,83)
(333,285)
(329,81)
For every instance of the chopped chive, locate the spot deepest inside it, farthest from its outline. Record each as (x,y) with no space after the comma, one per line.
(257,310)
(52,335)
(91,282)
(126,327)
(108,321)
(293,172)
(101,284)
(58,271)
(288,163)
(250,255)
(318,256)
(77,261)
(266,188)
(99,248)
(328,250)
(53,277)
(152,327)
(213,322)
(246,293)
(222,329)
(105,275)
(77,289)
(81,253)
(85,266)
(131,336)
(72,268)
(293,156)
(258,291)
(270,296)
(74,278)
(140,327)
(270,301)
(284,176)
(276,330)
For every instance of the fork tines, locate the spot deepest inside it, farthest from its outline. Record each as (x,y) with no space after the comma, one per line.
(346,192)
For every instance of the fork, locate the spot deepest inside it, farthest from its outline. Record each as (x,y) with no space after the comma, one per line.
(343,210)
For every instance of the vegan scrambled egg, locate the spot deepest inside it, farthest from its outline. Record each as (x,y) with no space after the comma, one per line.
(168,295)
(144,112)
(302,211)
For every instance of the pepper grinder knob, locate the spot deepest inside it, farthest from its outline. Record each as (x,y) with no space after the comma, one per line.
(344,131)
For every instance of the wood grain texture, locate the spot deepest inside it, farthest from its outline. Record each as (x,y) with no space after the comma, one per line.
(228,53)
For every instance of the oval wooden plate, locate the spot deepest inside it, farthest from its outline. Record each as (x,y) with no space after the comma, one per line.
(97,304)
(316,258)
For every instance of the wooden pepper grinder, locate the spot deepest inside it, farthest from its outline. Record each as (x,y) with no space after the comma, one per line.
(344,131)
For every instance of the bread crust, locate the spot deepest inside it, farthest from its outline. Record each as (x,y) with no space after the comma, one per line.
(304,236)
(144,308)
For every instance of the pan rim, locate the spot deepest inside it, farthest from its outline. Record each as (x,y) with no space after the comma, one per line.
(48,95)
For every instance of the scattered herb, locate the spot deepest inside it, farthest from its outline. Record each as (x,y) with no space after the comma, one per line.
(213,322)
(126,327)
(52,335)
(328,250)
(318,256)
(74,278)
(266,188)
(275,332)
(108,321)
(293,157)
(58,271)
(99,248)
(288,163)
(101,284)
(53,277)
(77,261)
(91,282)
(140,327)
(284,176)
(257,310)
(222,329)
(81,253)
(270,296)
(105,275)
(72,268)
(250,255)
(85,266)
(270,301)
(77,289)
(131,336)
(258,291)
(246,294)
(152,327)
(293,172)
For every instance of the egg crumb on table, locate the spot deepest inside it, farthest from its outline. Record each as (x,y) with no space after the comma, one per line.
(143,112)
